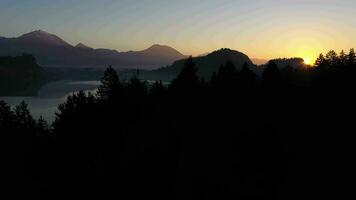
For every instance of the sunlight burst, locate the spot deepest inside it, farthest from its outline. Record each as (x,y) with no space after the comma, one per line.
(307,61)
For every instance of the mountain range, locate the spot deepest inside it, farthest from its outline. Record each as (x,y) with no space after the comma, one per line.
(52,51)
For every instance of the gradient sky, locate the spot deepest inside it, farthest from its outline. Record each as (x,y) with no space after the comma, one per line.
(260,28)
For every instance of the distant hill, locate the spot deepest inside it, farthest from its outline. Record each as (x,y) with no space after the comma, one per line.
(258,61)
(52,51)
(41,38)
(206,64)
(82,46)
(291,62)
(20,76)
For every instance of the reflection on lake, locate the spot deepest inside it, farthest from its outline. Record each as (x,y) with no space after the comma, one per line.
(51,95)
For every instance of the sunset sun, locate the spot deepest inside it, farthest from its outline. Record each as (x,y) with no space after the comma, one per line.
(307,61)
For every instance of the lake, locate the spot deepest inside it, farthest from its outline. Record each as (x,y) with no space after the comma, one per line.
(50,96)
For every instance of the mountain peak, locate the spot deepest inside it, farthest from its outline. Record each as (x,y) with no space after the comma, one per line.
(159,46)
(225,51)
(82,46)
(43,38)
(37,33)
(163,50)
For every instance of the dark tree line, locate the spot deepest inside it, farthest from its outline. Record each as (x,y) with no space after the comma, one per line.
(20,76)
(284,135)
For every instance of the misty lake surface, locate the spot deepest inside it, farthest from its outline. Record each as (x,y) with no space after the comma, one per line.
(50,96)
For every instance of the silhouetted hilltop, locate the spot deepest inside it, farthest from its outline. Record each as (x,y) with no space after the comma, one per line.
(259,61)
(52,51)
(156,55)
(163,50)
(210,63)
(20,76)
(291,62)
(82,46)
(40,37)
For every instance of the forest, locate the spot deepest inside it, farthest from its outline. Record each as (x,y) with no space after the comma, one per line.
(20,76)
(284,135)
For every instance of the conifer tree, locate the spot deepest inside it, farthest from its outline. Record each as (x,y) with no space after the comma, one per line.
(351,57)
(187,79)
(24,120)
(271,76)
(111,86)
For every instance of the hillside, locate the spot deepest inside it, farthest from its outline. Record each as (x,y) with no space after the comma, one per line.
(206,64)
(20,76)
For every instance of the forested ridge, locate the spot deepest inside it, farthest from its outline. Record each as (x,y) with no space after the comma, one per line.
(20,76)
(284,135)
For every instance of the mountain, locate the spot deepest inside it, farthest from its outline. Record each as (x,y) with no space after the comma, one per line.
(52,51)
(161,50)
(258,61)
(207,64)
(157,55)
(40,37)
(82,46)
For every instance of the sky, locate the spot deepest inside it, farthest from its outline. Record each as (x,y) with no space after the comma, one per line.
(259,28)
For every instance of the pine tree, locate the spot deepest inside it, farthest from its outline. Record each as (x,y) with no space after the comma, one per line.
(342,58)
(271,76)
(24,119)
(247,76)
(41,125)
(136,89)
(111,86)
(187,79)
(6,116)
(157,89)
(320,60)
(351,58)
(332,58)
(227,75)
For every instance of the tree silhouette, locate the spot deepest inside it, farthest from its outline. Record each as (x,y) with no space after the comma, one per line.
(320,60)
(111,87)
(351,57)
(136,88)
(157,89)
(6,115)
(24,119)
(332,58)
(271,76)
(227,76)
(247,77)
(342,58)
(187,80)
(42,127)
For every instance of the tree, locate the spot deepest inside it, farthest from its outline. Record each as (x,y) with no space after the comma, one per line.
(351,58)
(111,86)
(342,58)
(157,89)
(42,126)
(320,60)
(247,77)
(289,74)
(187,80)
(136,88)
(6,115)
(227,75)
(24,120)
(71,111)
(332,58)
(271,76)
